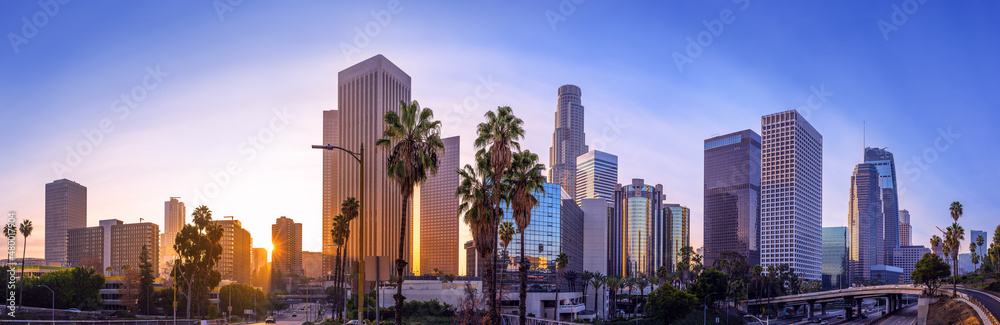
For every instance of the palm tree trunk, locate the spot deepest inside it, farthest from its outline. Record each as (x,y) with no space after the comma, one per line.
(523,272)
(400,264)
(23,252)
(338,288)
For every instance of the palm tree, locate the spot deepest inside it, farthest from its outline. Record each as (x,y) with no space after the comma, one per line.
(979,242)
(597,281)
(935,241)
(973,255)
(663,273)
(476,210)
(497,136)
(109,270)
(561,262)
(642,284)
(629,282)
(26,229)
(506,235)
(412,138)
(339,234)
(614,283)
(585,277)
(524,179)
(955,235)
(350,209)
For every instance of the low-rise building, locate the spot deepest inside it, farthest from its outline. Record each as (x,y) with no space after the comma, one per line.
(906,257)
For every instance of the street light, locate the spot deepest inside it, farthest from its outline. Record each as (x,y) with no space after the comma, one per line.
(53,301)
(705,319)
(360,158)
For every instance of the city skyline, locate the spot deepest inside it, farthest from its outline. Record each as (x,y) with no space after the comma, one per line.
(127,178)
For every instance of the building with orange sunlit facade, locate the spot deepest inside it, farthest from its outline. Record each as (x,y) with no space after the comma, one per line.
(438,214)
(286,236)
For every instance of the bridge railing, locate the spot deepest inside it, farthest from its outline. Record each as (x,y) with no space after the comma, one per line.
(992,319)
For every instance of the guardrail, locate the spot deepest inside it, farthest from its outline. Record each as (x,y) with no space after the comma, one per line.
(992,319)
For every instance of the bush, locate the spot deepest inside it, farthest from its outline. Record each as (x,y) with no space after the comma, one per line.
(994,286)
(668,304)
(121,313)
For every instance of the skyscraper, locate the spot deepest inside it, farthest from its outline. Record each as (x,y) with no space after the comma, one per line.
(174,215)
(438,211)
(126,243)
(637,238)
(973,234)
(258,257)
(865,221)
(556,227)
(474,265)
(906,257)
(286,236)
(236,261)
(596,176)
(365,92)
(568,140)
(835,258)
(331,198)
(791,193)
(732,196)
(65,208)
(905,230)
(678,233)
(886,165)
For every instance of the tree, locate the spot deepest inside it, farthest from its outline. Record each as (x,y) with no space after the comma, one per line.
(26,228)
(571,277)
(709,282)
(973,255)
(641,284)
(524,179)
(199,249)
(349,209)
(953,239)
(979,242)
(130,288)
(242,296)
(561,262)
(506,235)
(585,277)
(928,270)
(684,263)
(669,304)
(145,281)
(735,265)
(497,135)
(412,138)
(78,287)
(614,283)
(596,281)
(475,208)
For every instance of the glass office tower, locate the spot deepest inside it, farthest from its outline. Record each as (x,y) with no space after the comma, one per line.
(886,165)
(637,240)
(835,258)
(556,226)
(866,222)
(732,196)
(679,232)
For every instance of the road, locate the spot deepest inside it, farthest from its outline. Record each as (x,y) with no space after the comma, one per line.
(906,316)
(296,314)
(990,301)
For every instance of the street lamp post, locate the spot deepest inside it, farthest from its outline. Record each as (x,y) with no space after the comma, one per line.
(705,319)
(360,158)
(53,301)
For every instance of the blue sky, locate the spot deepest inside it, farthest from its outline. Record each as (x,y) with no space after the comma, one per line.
(238,92)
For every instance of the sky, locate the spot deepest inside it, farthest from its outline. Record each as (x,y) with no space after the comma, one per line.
(217,102)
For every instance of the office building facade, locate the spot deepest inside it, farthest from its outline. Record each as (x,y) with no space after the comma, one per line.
(678,233)
(973,237)
(596,176)
(638,231)
(437,208)
(174,218)
(312,265)
(596,213)
(886,165)
(286,236)
(331,197)
(906,257)
(568,139)
(865,221)
(127,241)
(556,227)
(474,265)
(258,258)
(365,92)
(732,196)
(65,208)
(905,229)
(835,243)
(236,262)
(87,249)
(791,193)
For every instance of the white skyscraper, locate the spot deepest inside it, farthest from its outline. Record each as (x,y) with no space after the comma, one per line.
(792,193)
(596,176)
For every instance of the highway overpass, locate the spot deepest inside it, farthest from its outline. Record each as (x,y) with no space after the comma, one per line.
(852,297)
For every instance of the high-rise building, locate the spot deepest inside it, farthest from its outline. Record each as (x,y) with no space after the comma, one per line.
(474,265)
(312,265)
(638,241)
(87,249)
(437,207)
(886,165)
(596,176)
(906,257)
(258,258)
(973,234)
(235,263)
(365,92)
(568,139)
(65,208)
(331,198)
(174,215)
(791,193)
(732,196)
(835,258)
(905,229)
(556,227)
(596,213)
(865,221)
(286,236)
(678,233)
(965,265)
(127,241)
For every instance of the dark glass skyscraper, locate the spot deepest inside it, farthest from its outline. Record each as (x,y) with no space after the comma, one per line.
(732,196)
(866,222)
(835,258)
(886,165)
